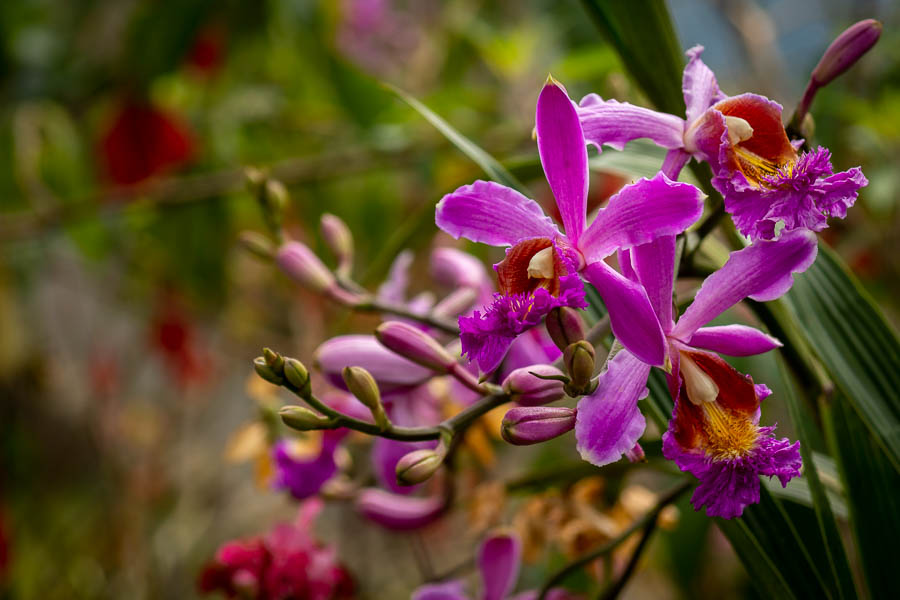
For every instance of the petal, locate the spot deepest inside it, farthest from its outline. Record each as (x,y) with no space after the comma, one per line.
(632,318)
(769,139)
(493,214)
(674,162)
(654,265)
(398,512)
(394,287)
(734,340)
(609,423)
(498,561)
(388,369)
(385,455)
(448,590)
(762,271)
(699,85)
(639,213)
(616,123)
(563,155)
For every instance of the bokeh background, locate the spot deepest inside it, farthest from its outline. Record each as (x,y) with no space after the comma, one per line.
(129,314)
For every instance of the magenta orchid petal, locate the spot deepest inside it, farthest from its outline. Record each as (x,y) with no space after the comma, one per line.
(389,370)
(674,162)
(762,271)
(654,265)
(734,340)
(304,477)
(498,561)
(699,85)
(609,423)
(639,213)
(633,321)
(393,289)
(398,512)
(563,155)
(447,590)
(616,123)
(493,214)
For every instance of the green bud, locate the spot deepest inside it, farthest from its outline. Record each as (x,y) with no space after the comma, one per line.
(418,466)
(257,244)
(276,195)
(362,385)
(303,419)
(579,361)
(266,372)
(296,373)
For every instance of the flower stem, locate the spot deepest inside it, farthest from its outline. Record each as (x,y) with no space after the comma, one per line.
(374,305)
(605,549)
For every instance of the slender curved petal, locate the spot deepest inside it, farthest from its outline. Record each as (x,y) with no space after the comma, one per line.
(762,271)
(639,213)
(632,318)
(498,561)
(734,340)
(388,369)
(394,287)
(448,590)
(398,512)
(493,214)
(699,85)
(654,265)
(563,155)
(616,123)
(609,423)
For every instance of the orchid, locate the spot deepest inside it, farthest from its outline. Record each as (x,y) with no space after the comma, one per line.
(713,432)
(766,183)
(540,271)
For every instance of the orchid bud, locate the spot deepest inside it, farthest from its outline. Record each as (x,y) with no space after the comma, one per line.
(845,50)
(579,361)
(418,466)
(399,512)
(276,195)
(416,345)
(455,268)
(565,326)
(296,373)
(525,387)
(303,266)
(362,385)
(339,240)
(534,424)
(266,372)
(636,454)
(303,419)
(257,244)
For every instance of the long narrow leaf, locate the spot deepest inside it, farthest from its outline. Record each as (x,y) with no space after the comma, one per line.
(488,163)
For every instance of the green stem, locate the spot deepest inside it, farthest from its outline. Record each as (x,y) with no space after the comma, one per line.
(378,306)
(593,555)
(616,588)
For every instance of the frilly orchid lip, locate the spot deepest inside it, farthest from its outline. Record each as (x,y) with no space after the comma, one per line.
(742,137)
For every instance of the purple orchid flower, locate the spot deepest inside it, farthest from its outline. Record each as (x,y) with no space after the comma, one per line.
(759,172)
(714,432)
(540,271)
(499,559)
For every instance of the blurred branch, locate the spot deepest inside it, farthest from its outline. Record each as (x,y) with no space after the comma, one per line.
(168,192)
(605,549)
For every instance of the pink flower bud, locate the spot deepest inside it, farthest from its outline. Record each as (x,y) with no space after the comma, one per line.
(565,326)
(418,466)
(526,389)
(415,345)
(303,266)
(454,268)
(534,424)
(339,240)
(636,454)
(396,511)
(845,50)
(456,303)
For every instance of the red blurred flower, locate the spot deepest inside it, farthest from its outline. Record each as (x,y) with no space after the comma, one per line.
(143,141)
(207,53)
(172,334)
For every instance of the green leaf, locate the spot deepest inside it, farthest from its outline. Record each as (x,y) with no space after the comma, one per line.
(646,42)
(855,344)
(871,484)
(829,536)
(771,541)
(488,163)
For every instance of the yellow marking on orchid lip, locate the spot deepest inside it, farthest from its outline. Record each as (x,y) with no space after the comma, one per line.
(728,435)
(756,168)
